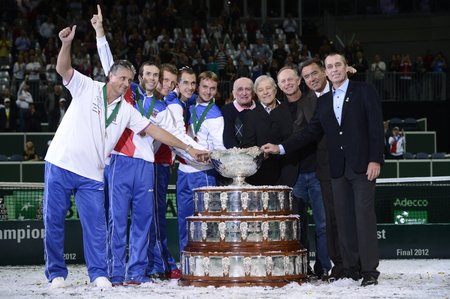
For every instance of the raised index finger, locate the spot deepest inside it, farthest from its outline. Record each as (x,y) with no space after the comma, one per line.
(99,12)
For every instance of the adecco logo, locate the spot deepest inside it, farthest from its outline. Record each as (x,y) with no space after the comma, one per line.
(410,203)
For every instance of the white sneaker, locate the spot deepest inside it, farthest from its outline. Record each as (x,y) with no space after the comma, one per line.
(102,282)
(58,283)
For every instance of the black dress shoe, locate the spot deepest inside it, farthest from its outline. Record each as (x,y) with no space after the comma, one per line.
(369,280)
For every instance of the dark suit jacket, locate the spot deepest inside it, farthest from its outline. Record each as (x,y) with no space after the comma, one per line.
(258,131)
(12,119)
(359,138)
(232,118)
(303,160)
(323,160)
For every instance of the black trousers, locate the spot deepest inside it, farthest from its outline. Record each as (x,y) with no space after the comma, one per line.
(354,203)
(332,232)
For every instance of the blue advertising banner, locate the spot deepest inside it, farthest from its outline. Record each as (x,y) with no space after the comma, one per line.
(22,241)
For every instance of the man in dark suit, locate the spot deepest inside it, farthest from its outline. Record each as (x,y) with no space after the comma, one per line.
(351,119)
(8,116)
(313,73)
(258,130)
(299,167)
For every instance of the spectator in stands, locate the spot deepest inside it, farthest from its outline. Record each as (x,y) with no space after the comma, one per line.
(428,59)
(242,70)
(51,104)
(211,66)
(378,70)
(243,54)
(305,54)
(24,98)
(251,27)
(290,27)
(33,119)
(49,50)
(23,42)
(57,114)
(5,49)
(33,68)
(294,49)
(387,134)
(50,71)
(220,58)
(280,53)
(8,116)
(268,31)
(273,68)
(261,51)
(361,65)
(420,71)
(46,31)
(259,68)
(438,67)
(394,67)
(405,78)
(29,153)
(439,64)
(97,72)
(325,48)
(229,70)
(19,70)
(198,63)
(396,144)
(237,36)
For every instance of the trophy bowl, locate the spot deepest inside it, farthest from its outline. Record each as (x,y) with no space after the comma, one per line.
(237,163)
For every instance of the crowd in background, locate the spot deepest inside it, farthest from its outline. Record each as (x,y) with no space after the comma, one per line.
(139,30)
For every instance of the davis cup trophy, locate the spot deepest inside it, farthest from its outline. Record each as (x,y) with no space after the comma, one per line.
(242,235)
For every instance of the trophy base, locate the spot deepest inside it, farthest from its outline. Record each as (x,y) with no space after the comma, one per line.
(245,268)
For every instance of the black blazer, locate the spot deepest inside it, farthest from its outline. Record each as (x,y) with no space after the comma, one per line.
(303,160)
(323,161)
(232,118)
(359,138)
(258,131)
(13,115)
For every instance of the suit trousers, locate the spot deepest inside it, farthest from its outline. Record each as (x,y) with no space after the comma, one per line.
(354,199)
(332,232)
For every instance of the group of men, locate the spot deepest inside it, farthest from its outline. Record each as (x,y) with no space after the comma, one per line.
(112,151)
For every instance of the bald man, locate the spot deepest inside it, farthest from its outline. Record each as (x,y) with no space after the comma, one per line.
(234,112)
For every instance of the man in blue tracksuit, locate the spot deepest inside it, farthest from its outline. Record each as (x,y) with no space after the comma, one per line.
(205,124)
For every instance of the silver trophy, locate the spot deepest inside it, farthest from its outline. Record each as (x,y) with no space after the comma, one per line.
(237,163)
